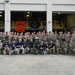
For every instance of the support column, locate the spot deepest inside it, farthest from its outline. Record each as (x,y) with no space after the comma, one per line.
(49,17)
(7,16)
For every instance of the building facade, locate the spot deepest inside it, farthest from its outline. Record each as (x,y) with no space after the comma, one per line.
(49,6)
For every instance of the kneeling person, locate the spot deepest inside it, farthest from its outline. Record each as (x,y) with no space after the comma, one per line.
(13,47)
(52,47)
(25,46)
(42,47)
(19,46)
(6,49)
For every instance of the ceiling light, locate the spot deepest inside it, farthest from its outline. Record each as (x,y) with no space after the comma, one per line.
(0,12)
(0,15)
(58,12)
(28,12)
(27,15)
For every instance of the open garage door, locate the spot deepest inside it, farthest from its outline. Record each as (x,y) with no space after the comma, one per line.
(63,21)
(33,21)
(2,23)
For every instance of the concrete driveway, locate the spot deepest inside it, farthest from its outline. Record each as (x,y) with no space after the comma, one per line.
(37,65)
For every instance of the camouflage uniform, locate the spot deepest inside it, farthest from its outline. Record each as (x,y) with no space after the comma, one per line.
(1,47)
(2,38)
(71,47)
(7,37)
(42,48)
(60,38)
(73,38)
(64,47)
(58,49)
(44,39)
(67,38)
(15,37)
(49,38)
(40,39)
(31,47)
(11,38)
(53,38)
(35,47)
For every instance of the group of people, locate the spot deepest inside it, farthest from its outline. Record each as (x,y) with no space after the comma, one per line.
(37,43)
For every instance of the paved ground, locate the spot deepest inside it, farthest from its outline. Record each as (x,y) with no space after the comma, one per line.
(37,65)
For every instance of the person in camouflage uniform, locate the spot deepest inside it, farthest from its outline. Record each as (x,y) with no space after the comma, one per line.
(1,44)
(11,37)
(20,36)
(15,36)
(40,38)
(35,47)
(2,37)
(30,45)
(49,37)
(73,38)
(67,38)
(61,37)
(7,37)
(64,47)
(71,47)
(53,38)
(44,38)
(56,35)
(58,48)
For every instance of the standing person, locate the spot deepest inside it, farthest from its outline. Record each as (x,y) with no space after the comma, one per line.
(71,47)
(49,36)
(57,45)
(73,38)
(2,37)
(53,37)
(69,33)
(20,36)
(67,38)
(7,36)
(56,34)
(11,37)
(60,37)
(1,47)
(31,45)
(15,36)
(40,37)
(64,47)
(44,38)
